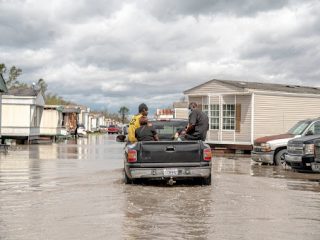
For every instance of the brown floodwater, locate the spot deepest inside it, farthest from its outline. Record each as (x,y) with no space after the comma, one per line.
(74,190)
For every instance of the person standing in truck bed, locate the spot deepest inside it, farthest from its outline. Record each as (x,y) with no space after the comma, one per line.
(146,132)
(198,124)
(135,122)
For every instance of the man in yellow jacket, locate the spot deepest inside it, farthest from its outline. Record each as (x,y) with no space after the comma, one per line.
(135,122)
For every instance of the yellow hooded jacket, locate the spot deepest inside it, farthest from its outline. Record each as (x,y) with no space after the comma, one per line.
(133,125)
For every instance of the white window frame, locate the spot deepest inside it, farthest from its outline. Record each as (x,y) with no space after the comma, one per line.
(229,117)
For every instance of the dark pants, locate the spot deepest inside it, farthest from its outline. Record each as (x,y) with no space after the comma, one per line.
(195,137)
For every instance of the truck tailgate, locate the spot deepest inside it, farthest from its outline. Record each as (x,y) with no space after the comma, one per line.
(170,152)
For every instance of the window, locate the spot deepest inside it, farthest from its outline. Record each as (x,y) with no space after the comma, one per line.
(228,116)
(206,109)
(214,116)
(314,129)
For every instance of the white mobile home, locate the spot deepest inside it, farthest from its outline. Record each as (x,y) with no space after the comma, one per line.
(3,89)
(180,110)
(51,121)
(21,113)
(84,116)
(240,112)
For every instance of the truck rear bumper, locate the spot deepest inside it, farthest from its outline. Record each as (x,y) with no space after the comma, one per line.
(264,157)
(161,173)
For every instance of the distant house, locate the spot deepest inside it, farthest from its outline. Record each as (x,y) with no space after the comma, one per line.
(84,116)
(51,121)
(21,113)
(180,110)
(240,112)
(164,114)
(93,122)
(70,117)
(3,89)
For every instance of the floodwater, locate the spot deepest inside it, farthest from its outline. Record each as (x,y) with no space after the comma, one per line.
(74,190)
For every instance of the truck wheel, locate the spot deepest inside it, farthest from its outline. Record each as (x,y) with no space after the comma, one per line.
(127,180)
(279,158)
(206,181)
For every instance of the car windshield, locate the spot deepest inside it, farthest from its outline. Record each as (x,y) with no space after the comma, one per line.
(299,128)
(167,129)
(112,126)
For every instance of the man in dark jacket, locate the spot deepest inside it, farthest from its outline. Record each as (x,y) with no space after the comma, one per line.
(198,124)
(146,132)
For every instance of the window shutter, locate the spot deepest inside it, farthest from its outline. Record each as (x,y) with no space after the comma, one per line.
(238,117)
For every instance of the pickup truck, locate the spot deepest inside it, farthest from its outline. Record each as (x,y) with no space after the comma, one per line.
(315,166)
(301,152)
(272,149)
(167,159)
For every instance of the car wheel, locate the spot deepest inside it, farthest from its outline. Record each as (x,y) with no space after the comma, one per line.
(206,181)
(127,180)
(279,158)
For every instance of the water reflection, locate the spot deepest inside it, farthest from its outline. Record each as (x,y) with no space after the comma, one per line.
(168,212)
(294,180)
(73,190)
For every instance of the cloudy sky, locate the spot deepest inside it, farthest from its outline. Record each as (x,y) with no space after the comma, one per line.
(106,54)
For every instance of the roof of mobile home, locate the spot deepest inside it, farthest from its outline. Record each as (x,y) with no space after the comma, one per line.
(23,91)
(243,85)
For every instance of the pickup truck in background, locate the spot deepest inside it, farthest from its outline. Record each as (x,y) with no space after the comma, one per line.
(167,159)
(301,152)
(315,166)
(272,149)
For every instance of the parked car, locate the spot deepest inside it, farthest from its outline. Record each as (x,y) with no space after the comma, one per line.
(272,149)
(103,129)
(315,166)
(63,131)
(81,131)
(301,152)
(113,129)
(166,159)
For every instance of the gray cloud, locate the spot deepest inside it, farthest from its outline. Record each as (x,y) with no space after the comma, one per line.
(114,53)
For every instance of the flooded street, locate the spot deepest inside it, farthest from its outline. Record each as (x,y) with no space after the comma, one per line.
(74,190)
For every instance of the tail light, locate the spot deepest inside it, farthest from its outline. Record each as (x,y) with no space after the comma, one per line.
(207,154)
(132,155)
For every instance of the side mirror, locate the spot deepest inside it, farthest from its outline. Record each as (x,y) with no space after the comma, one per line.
(309,133)
(121,138)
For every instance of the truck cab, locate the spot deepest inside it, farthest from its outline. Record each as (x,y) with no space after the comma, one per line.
(301,152)
(273,149)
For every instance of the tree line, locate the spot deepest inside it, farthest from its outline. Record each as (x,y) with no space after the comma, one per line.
(11,75)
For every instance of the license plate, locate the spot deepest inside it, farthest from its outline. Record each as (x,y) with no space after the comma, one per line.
(315,167)
(170,171)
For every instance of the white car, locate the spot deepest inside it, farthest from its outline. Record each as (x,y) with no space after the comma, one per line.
(81,131)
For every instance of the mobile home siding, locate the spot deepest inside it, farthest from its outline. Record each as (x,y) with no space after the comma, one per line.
(50,122)
(277,114)
(245,124)
(15,116)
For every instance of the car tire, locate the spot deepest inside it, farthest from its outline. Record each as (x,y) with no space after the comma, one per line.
(279,158)
(206,181)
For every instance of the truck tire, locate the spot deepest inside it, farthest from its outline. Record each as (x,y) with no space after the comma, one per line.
(127,180)
(206,181)
(279,157)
